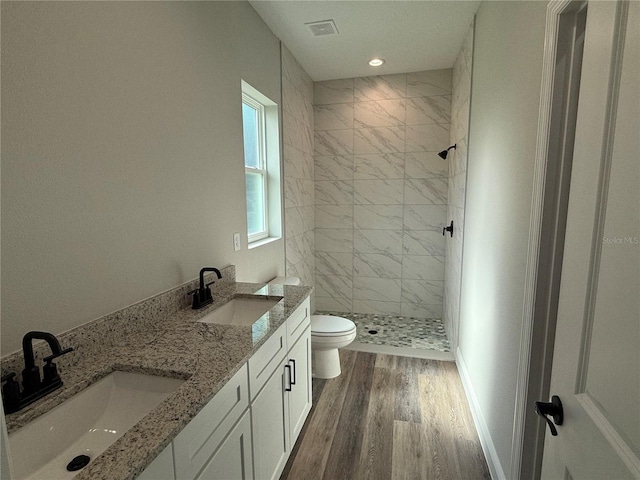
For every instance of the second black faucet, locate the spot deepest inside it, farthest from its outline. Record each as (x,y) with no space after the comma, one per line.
(202,295)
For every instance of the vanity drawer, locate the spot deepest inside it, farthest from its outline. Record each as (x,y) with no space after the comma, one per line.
(195,444)
(298,322)
(267,359)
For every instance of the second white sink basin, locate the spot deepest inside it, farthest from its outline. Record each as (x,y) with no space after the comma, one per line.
(86,424)
(240,311)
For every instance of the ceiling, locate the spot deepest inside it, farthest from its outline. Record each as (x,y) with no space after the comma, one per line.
(410,35)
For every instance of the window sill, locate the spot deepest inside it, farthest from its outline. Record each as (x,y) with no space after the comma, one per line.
(264,241)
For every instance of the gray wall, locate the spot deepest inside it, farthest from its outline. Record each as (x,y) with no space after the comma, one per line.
(459,136)
(508,51)
(381,193)
(122,163)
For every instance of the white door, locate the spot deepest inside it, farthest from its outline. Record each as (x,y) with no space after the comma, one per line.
(596,365)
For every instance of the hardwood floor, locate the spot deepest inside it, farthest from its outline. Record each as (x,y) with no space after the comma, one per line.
(388,417)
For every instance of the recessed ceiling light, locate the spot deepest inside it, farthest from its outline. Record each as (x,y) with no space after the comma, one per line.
(376,62)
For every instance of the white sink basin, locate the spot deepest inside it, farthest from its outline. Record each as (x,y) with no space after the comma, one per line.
(86,424)
(240,311)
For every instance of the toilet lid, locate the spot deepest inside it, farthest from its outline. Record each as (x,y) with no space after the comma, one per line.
(327,325)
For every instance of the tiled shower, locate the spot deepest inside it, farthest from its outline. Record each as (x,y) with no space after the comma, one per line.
(380,195)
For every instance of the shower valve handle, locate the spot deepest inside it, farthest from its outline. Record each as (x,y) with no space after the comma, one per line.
(448,229)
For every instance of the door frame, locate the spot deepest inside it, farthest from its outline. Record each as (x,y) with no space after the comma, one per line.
(538,315)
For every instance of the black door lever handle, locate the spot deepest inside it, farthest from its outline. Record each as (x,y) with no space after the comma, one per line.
(553,408)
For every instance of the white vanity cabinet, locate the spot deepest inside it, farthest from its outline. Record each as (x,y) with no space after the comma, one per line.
(216,444)
(247,430)
(233,459)
(212,442)
(281,404)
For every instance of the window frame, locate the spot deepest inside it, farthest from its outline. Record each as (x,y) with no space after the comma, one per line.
(270,144)
(262,168)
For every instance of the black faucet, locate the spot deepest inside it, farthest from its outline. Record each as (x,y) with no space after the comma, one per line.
(202,295)
(34,387)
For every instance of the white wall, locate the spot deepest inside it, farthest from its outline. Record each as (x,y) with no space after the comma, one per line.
(122,164)
(508,49)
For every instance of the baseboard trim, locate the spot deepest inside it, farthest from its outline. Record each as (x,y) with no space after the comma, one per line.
(402,351)
(489,449)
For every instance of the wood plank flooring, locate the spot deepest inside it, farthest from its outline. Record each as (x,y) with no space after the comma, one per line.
(388,417)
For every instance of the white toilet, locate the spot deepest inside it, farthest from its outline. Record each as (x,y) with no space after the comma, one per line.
(328,334)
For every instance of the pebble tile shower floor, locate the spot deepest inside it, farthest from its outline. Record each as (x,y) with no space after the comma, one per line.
(398,331)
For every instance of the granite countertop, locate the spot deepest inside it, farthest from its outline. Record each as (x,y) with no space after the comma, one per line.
(205,355)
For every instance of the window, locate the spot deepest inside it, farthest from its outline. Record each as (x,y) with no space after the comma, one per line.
(255,167)
(261,166)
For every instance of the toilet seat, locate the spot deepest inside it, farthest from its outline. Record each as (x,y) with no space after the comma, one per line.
(330,326)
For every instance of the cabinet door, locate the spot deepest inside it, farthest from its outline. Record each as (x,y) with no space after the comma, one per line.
(194,446)
(267,360)
(298,322)
(270,420)
(300,395)
(232,460)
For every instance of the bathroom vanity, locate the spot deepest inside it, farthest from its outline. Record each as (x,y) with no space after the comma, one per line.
(246,388)
(264,405)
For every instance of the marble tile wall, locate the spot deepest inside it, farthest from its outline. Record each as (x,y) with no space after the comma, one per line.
(460,105)
(381,193)
(298,169)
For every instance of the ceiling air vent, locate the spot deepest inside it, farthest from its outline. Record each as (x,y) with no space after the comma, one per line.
(323,27)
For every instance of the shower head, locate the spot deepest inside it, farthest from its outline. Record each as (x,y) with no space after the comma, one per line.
(443,153)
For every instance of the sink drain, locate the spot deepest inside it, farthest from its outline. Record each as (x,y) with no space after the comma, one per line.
(78,463)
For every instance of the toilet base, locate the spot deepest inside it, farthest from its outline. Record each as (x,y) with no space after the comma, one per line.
(326,363)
